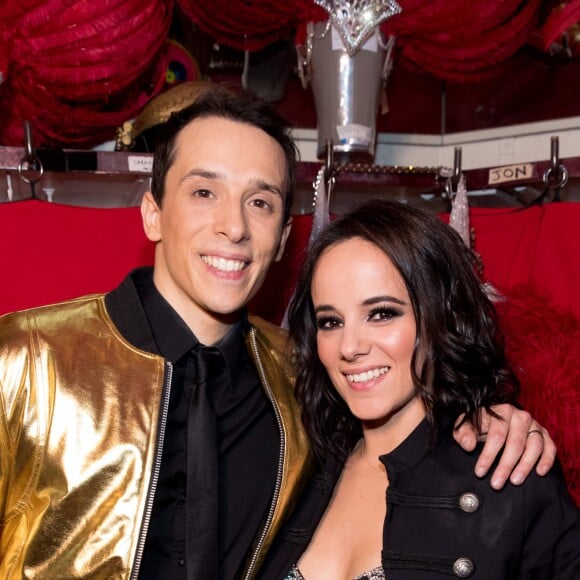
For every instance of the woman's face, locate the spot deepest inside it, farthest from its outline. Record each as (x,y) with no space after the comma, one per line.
(366,332)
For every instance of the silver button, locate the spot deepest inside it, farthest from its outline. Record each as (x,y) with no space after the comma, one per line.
(463,567)
(469,502)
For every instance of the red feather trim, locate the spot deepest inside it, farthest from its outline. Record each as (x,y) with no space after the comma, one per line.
(543,344)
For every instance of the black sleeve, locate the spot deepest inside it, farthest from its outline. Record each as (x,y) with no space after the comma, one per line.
(552,529)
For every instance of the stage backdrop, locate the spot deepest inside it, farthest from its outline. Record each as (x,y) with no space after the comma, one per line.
(51,252)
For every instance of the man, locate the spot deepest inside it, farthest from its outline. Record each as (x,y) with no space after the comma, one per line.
(152,432)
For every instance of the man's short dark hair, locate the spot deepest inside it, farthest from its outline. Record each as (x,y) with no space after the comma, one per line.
(243,108)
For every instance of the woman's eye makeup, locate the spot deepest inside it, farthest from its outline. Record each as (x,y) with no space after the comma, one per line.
(384,313)
(327,322)
(376,313)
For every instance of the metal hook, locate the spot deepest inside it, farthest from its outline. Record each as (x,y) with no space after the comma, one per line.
(329,167)
(30,162)
(28,148)
(452,176)
(556,176)
(457,163)
(554,153)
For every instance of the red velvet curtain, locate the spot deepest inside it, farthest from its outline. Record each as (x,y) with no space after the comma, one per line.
(52,251)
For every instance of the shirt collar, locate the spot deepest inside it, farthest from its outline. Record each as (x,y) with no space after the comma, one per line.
(174,338)
(233,348)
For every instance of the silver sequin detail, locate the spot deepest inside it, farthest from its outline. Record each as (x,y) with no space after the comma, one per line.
(356,20)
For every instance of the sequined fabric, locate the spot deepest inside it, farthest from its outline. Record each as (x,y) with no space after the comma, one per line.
(374,574)
(459,216)
(356,20)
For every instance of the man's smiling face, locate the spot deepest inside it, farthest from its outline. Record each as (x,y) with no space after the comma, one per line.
(220,224)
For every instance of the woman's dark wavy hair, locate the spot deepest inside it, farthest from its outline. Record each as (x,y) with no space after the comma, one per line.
(464,366)
(242,108)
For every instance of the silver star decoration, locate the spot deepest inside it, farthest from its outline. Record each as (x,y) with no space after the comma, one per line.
(356,20)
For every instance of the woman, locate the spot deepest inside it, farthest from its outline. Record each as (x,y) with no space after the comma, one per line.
(395,337)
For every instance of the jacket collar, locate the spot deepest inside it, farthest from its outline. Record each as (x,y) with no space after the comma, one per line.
(126,311)
(414,448)
(410,451)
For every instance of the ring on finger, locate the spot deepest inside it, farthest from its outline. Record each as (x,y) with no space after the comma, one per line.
(535,431)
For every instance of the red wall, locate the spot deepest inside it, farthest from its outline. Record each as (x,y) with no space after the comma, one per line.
(51,252)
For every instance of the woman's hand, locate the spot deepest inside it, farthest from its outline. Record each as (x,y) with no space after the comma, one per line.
(525,442)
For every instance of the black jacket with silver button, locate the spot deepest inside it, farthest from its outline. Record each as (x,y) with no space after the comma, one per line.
(443,522)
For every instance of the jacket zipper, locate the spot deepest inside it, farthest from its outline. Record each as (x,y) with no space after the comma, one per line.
(154,476)
(278,485)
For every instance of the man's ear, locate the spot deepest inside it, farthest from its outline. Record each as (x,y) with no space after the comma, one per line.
(150,214)
(283,239)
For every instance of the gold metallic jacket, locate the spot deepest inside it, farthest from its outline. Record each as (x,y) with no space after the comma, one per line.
(82,417)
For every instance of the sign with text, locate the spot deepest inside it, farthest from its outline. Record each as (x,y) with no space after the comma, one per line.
(140,163)
(511,173)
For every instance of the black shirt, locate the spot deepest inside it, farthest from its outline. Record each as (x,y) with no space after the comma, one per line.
(248,443)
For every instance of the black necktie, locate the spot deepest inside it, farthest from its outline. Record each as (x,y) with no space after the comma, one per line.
(202,467)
